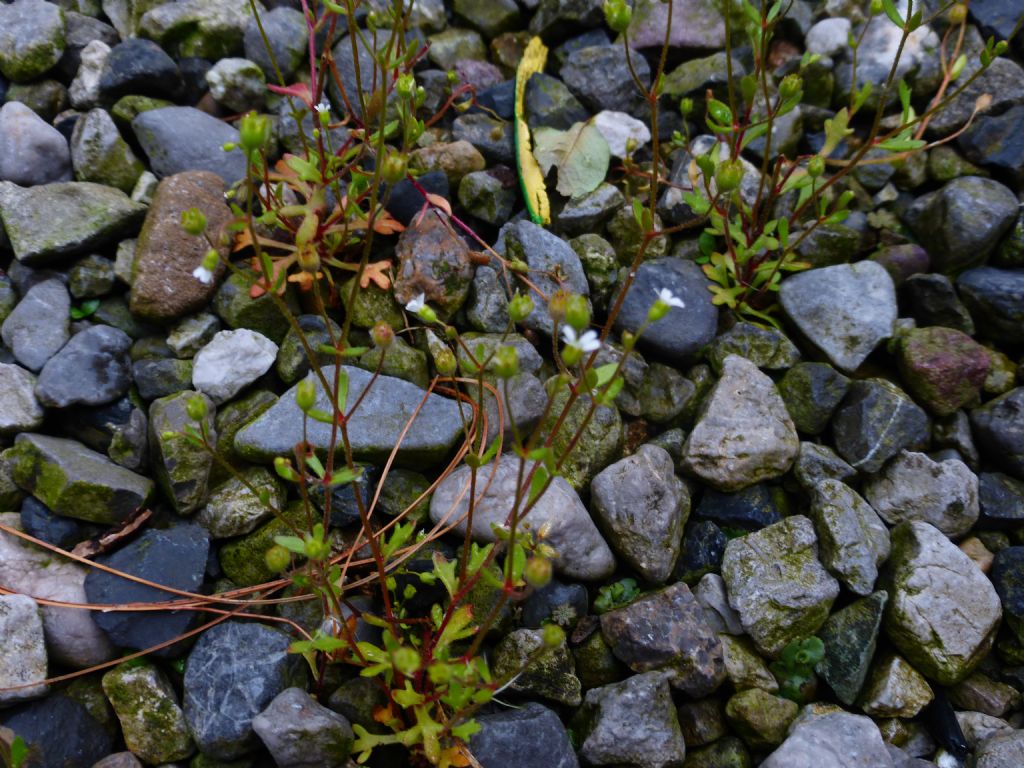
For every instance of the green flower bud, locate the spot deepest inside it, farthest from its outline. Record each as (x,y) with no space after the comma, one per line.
(284,470)
(816,166)
(537,572)
(382,334)
(445,362)
(685,106)
(729,175)
(393,168)
(558,304)
(617,15)
(305,395)
(254,132)
(277,558)
(520,307)
(196,408)
(406,660)
(791,86)
(506,362)
(577,312)
(193,221)
(406,86)
(553,635)
(957,13)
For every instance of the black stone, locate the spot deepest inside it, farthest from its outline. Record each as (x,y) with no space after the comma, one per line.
(193,77)
(999,430)
(161,377)
(499,99)
(997,142)
(344,507)
(548,102)
(995,299)
(531,736)
(702,551)
(944,727)
(750,509)
(59,733)
(406,201)
(875,421)
(1001,498)
(492,137)
(681,335)
(40,521)
(931,300)
(139,66)
(811,392)
(174,557)
(996,17)
(561,603)
(1007,576)
(91,369)
(600,77)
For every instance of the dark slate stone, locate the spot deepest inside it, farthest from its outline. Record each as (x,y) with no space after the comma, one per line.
(344,507)
(997,142)
(530,736)
(174,557)
(811,392)
(193,76)
(39,520)
(406,201)
(492,137)
(555,602)
(1001,498)
(91,369)
(499,99)
(995,299)
(902,261)
(996,17)
(600,77)
(999,429)
(548,102)
(850,636)
(285,29)
(1007,576)
(875,421)
(680,336)
(139,66)
(234,671)
(179,139)
(38,326)
(79,31)
(702,551)
(118,427)
(750,509)
(161,377)
(59,733)
(931,300)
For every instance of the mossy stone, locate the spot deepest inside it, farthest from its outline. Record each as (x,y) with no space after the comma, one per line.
(759,718)
(596,664)
(551,674)
(239,309)
(113,310)
(152,722)
(127,108)
(182,468)
(371,305)
(10,494)
(401,360)
(600,442)
(88,691)
(400,491)
(729,752)
(232,417)
(811,392)
(600,266)
(292,361)
(767,348)
(243,560)
(47,98)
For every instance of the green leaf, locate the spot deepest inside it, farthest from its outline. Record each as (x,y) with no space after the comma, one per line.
(540,479)
(342,390)
(19,751)
(580,154)
(889,6)
(85,309)
(901,145)
(292,543)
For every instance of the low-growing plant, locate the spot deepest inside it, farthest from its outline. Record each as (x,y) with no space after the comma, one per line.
(794,669)
(615,595)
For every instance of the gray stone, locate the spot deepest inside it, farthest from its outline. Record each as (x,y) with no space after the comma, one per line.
(854,541)
(961,224)
(694,24)
(72,637)
(20,411)
(285,28)
(487,304)
(147,708)
(237,84)
(489,195)
(76,482)
(491,136)
(680,336)
(777,584)
(91,277)
(233,510)
(125,14)
(632,724)
(767,348)
(192,333)
(831,740)
(300,733)
(850,636)
(600,77)
(232,674)
(811,392)
(85,88)
(641,506)
(23,661)
(537,670)
(582,552)
(845,310)
(207,29)
(913,487)
(47,223)
(995,299)
(895,689)
(374,428)
(666,630)
(31,151)
(232,361)
(1003,81)
(529,736)
(828,37)
(875,422)
(177,139)
(999,429)
(932,300)
(943,612)
(713,597)
(31,39)
(91,369)
(100,154)
(744,434)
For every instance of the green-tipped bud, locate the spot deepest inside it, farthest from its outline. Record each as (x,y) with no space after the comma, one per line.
(557,304)
(537,572)
(791,86)
(506,362)
(520,307)
(406,660)
(394,167)
(445,362)
(406,86)
(686,106)
(957,13)
(815,166)
(729,175)
(193,221)
(277,558)
(553,635)
(254,132)
(196,408)
(284,470)
(382,334)
(305,395)
(577,312)
(617,15)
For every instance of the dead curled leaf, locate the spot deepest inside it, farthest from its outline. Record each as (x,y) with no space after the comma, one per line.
(581,155)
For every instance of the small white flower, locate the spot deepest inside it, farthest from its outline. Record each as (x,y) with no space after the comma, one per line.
(417,304)
(587,342)
(322,107)
(666,296)
(202,274)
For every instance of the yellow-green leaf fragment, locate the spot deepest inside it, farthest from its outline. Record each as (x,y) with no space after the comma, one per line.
(530,176)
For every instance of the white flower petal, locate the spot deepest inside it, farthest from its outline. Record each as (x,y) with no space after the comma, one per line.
(323,106)
(203,275)
(669,298)
(589,342)
(569,335)
(417,303)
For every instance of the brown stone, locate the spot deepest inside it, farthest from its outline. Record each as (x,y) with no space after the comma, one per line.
(434,261)
(164,287)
